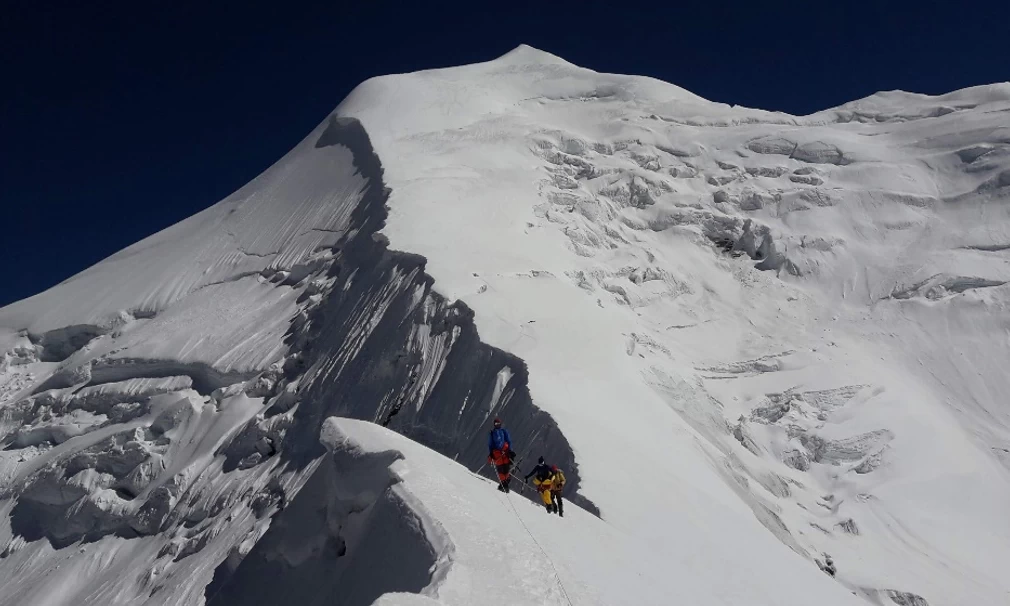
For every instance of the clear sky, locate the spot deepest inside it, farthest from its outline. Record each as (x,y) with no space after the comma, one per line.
(120,119)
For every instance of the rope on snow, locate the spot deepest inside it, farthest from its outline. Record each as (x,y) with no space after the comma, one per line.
(542,550)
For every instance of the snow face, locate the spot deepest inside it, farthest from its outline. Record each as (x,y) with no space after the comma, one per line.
(749,338)
(606,229)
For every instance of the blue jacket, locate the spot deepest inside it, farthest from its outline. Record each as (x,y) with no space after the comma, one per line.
(497,439)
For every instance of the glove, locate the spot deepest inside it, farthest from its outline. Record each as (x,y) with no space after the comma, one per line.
(490,460)
(512,454)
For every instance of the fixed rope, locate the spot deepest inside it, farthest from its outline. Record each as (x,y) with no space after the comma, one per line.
(542,550)
(515,512)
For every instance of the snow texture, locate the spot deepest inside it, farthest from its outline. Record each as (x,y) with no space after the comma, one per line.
(750,339)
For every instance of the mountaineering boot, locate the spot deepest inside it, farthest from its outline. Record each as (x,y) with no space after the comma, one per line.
(501,488)
(506,485)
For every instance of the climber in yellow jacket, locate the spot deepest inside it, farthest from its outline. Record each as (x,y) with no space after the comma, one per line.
(549,482)
(557,485)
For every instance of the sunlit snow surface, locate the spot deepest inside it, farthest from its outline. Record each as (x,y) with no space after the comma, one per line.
(765,338)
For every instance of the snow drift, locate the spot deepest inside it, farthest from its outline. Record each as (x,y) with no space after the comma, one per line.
(750,339)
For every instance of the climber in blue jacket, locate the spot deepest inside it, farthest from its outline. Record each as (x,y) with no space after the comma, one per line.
(500,454)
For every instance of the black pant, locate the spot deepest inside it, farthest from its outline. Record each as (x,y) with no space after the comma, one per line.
(503,473)
(559,503)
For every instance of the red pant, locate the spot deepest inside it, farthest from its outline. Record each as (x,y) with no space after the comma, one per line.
(502,463)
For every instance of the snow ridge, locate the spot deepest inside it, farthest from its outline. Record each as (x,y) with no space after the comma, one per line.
(187,462)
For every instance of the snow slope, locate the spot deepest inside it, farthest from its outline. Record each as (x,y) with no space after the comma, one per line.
(753,338)
(576,558)
(873,347)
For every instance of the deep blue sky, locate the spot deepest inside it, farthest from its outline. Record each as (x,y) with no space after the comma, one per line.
(118,121)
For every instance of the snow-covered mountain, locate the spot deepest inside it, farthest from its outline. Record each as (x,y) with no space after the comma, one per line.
(750,339)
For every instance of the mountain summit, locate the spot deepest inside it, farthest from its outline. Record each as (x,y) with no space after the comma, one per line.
(751,340)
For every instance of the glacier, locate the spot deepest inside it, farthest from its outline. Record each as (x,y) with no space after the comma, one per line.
(751,339)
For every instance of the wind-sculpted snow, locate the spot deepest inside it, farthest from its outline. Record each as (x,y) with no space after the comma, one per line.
(384,346)
(173,431)
(348,537)
(750,339)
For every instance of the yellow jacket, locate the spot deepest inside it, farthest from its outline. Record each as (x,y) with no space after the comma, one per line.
(558,481)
